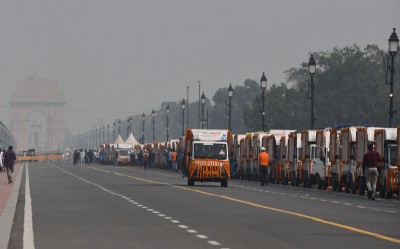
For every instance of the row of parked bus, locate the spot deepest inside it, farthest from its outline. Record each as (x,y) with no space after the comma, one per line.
(325,158)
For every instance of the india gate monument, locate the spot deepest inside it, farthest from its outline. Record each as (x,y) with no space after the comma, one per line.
(37,114)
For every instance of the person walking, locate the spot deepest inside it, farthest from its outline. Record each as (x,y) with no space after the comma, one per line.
(370,170)
(174,161)
(1,161)
(145,159)
(263,160)
(9,161)
(181,162)
(140,158)
(82,157)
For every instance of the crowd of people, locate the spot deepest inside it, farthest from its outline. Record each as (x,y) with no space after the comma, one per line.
(171,159)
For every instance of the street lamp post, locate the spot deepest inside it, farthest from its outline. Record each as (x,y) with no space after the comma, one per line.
(108,133)
(97,135)
(104,135)
(167,122)
(183,106)
(230,95)
(114,131)
(153,114)
(263,82)
(128,130)
(312,69)
(203,102)
(198,115)
(143,118)
(119,127)
(393,47)
(187,108)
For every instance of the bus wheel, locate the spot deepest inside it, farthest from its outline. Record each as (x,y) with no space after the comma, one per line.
(190,182)
(224,183)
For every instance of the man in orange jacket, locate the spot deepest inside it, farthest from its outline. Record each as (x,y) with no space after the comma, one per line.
(263,160)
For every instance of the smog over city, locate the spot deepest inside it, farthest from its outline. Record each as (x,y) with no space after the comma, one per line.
(117,59)
(219,124)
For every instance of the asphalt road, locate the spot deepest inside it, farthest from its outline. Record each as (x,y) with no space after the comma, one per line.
(125,207)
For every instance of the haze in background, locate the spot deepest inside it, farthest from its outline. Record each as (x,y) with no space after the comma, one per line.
(124,57)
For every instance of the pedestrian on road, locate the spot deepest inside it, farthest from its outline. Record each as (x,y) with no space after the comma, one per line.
(9,161)
(145,159)
(82,157)
(181,161)
(2,169)
(169,160)
(140,156)
(263,160)
(370,170)
(174,161)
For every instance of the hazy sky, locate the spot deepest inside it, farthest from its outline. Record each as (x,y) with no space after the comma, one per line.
(115,58)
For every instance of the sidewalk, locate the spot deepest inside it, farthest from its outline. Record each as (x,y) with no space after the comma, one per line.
(8,203)
(5,188)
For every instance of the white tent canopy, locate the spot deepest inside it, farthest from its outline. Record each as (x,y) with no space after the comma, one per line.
(119,140)
(131,140)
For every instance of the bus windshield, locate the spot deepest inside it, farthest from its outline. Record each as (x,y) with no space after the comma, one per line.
(123,152)
(210,150)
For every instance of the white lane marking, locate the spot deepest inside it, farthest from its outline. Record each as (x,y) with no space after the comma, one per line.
(347,204)
(322,200)
(393,212)
(151,210)
(335,202)
(142,206)
(183,226)
(313,198)
(360,207)
(293,195)
(28,238)
(214,243)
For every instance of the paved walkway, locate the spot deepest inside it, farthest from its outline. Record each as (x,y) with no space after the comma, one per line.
(8,202)
(5,188)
